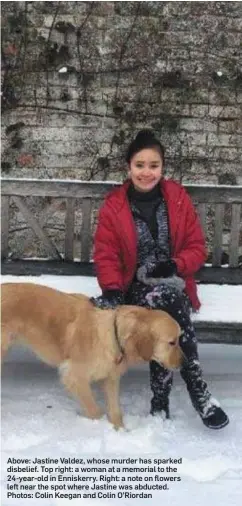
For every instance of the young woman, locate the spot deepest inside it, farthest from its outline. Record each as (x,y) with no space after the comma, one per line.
(148,245)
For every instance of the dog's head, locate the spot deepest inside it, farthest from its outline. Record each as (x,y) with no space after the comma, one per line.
(149,334)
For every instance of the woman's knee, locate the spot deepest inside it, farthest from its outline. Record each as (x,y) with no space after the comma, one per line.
(164,296)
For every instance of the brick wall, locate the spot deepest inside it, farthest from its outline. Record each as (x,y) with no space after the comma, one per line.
(80,79)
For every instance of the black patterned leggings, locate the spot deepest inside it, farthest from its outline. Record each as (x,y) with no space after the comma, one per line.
(178,306)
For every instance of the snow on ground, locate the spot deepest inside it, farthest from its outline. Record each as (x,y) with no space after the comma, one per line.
(40,420)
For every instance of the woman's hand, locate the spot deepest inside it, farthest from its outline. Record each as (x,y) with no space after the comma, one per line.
(163,270)
(110,299)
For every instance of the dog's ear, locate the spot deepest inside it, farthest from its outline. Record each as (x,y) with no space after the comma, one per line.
(144,345)
(127,322)
(135,332)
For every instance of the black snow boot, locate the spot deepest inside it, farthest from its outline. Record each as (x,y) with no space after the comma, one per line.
(160,382)
(207,407)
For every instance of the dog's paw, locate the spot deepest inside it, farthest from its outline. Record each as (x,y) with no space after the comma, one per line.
(117,421)
(119,427)
(95,414)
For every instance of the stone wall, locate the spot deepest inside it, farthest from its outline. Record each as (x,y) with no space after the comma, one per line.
(80,79)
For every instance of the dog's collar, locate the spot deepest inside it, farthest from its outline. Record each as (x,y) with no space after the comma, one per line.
(121,351)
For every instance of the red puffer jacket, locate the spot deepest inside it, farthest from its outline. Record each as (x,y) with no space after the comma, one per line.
(115,242)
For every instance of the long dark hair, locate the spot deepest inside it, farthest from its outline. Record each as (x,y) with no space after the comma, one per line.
(144,139)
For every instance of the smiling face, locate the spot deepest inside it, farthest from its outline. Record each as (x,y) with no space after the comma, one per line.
(146,169)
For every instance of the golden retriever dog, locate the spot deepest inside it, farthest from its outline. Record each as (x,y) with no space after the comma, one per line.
(85,343)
